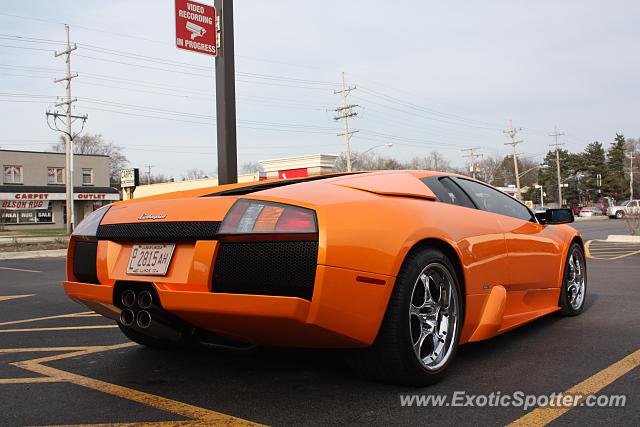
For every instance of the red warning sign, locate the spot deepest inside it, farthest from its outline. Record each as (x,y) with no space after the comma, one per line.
(196,27)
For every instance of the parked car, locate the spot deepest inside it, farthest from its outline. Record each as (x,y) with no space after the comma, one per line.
(590,211)
(401,267)
(618,210)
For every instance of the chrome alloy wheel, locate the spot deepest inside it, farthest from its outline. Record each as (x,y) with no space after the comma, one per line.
(434,316)
(575,280)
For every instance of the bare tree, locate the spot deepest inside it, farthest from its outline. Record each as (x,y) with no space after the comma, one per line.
(488,168)
(251,167)
(96,144)
(434,161)
(372,161)
(194,174)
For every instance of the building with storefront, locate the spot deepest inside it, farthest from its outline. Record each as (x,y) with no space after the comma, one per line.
(33,193)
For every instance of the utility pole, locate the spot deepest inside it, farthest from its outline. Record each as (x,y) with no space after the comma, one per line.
(67,119)
(557,144)
(226,96)
(473,155)
(343,113)
(511,132)
(149,174)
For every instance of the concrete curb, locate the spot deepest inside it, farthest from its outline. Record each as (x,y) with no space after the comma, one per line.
(623,238)
(53,253)
(591,218)
(48,239)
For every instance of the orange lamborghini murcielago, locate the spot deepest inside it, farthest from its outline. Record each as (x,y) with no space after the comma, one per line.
(401,267)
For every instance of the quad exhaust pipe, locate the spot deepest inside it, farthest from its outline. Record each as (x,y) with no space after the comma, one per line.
(137,313)
(127,316)
(145,300)
(128,298)
(143,319)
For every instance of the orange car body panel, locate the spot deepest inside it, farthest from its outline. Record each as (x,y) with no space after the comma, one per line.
(511,269)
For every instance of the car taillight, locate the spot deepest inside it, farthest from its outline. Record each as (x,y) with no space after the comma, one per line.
(258,217)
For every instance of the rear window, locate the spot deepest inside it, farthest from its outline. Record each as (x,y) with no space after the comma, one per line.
(448,191)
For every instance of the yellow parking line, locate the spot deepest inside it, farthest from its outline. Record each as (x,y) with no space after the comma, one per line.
(28,380)
(8,297)
(46,349)
(613,256)
(142,424)
(587,247)
(199,415)
(617,246)
(36,319)
(614,248)
(613,251)
(592,385)
(62,328)
(20,269)
(596,249)
(627,255)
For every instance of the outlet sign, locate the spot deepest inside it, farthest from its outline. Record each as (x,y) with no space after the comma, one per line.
(196,27)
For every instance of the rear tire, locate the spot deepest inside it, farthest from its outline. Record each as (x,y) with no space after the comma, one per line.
(148,341)
(574,283)
(419,335)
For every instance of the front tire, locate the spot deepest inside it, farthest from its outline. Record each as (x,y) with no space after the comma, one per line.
(574,283)
(419,335)
(620,214)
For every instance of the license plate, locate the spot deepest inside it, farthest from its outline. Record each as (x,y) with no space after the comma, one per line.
(150,260)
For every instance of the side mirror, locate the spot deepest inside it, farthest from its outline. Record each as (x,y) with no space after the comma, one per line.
(555,216)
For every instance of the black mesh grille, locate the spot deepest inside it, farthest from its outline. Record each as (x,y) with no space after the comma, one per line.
(266,268)
(160,231)
(84,262)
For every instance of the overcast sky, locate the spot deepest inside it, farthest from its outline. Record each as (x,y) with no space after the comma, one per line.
(429,75)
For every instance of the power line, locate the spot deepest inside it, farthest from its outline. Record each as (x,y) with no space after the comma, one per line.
(392,99)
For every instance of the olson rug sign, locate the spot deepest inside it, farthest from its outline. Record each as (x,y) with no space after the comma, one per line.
(196,27)
(24,204)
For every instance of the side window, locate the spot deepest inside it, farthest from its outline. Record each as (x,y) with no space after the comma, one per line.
(633,204)
(492,200)
(448,191)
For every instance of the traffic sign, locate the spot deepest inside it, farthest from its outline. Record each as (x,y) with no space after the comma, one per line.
(196,27)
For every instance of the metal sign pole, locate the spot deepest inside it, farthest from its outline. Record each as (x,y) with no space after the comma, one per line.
(226,96)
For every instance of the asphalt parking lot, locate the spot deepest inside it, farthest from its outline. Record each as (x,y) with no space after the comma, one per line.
(60,364)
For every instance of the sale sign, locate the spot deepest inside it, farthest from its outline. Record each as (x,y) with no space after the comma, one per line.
(196,27)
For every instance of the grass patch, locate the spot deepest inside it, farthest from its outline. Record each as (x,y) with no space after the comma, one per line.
(46,232)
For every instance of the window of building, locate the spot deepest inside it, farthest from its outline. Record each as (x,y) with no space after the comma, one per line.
(87,176)
(55,175)
(13,174)
(26,216)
